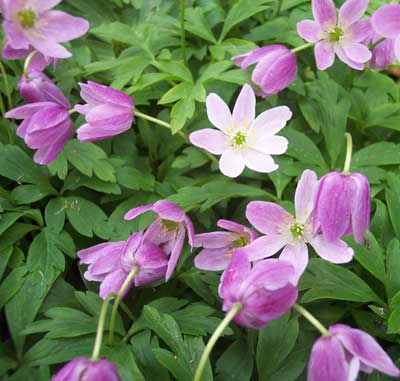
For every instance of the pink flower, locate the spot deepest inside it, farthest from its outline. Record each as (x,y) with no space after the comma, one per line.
(108,112)
(346,352)
(386,22)
(168,231)
(219,246)
(342,37)
(342,206)
(264,290)
(110,263)
(83,368)
(292,233)
(31,24)
(241,139)
(46,126)
(275,69)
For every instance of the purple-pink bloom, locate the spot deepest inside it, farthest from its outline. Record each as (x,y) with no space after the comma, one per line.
(168,231)
(292,233)
(342,206)
(241,139)
(108,112)
(276,67)
(110,263)
(83,368)
(219,246)
(31,24)
(46,126)
(342,37)
(386,22)
(345,353)
(264,291)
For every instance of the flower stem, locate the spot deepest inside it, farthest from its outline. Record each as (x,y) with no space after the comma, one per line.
(27,62)
(183,42)
(121,291)
(72,111)
(376,43)
(6,85)
(277,9)
(217,333)
(316,323)
(100,327)
(349,151)
(302,47)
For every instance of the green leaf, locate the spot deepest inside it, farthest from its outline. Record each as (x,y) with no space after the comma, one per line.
(393,269)
(383,153)
(181,112)
(10,286)
(122,356)
(176,69)
(55,214)
(26,194)
(197,24)
(191,158)
(393,202)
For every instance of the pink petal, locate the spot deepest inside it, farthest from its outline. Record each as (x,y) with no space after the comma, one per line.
(232,226)
(361,30)
(324,13)
(113,282)
(386,20)
(90,133)
(109,116)
(214,240)
(397,47)
(327,361)
(357,52)
(244,111)
(297,255)
(309,30)
(351,11)
(47,46)
(15,35)
(305,195)
(363,346)
(133,213)
(346,59)
(259,161)
(213,141)
(231,163)
(175,253)
(92,253)
(213,259)
(264,247)
(335,252)
(28,110)
(273,120)
(252,57)
(150,256)
(324,55)
(354,369)
(267,217)
(218,112)
(167,210)
(361,207)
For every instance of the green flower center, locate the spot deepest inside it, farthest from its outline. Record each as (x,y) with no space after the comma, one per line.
(239,139)
(336,34)
(240,242)
(297,230)
(170,225)
(27,18)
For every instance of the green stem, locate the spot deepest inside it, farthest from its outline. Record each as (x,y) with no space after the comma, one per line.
(183,42)
(167,125)
(100,327)
(217,333)
(72,111)
(6,85)
(302,47)
(121,291)
(316,323)
(376,43)
(27,62)
(349,151)
(277,9)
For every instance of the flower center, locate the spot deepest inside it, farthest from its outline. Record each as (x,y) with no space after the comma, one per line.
(170,225)
(27,18)
(336,34)
(239,139)
(241,241)
(297,230)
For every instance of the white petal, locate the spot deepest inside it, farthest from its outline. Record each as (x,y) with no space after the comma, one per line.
(259,162)
(335,252)
(244,111)
(211,140)
(218,112)
(271,145)
(305,195)
(273,120)
(231,163)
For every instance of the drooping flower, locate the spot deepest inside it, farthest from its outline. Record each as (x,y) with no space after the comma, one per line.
(342,37)
(46,127)
(345,353)
(219,246)
(168,231)
(83,368)
(386,22)
(292,233)
(108,112)
(31,24)
(264,291)
(342,206)
(38,87)
(241,139)
(110,263)
(276,67)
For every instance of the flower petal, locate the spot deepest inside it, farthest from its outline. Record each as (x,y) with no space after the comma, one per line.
(361,207)
(273,120)
(297,255)
(133,213)
(357,52)
(264,247)
(361,30)
(213,259)
(305,195)
(259,161)
(176,252)
(346,59)
(267,217)
(113,282)
(324,55)
(28,110)
(364,346)
(231,163)
(244,111)
(270,145)
(213,141)
(218,112)
(167,210)
(335,252)
(309,30)
(48,47)
(214,240)
(351,11)
(324,12)
(397,47)
(386,20)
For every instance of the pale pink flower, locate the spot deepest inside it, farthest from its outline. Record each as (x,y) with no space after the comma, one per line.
(243,140)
